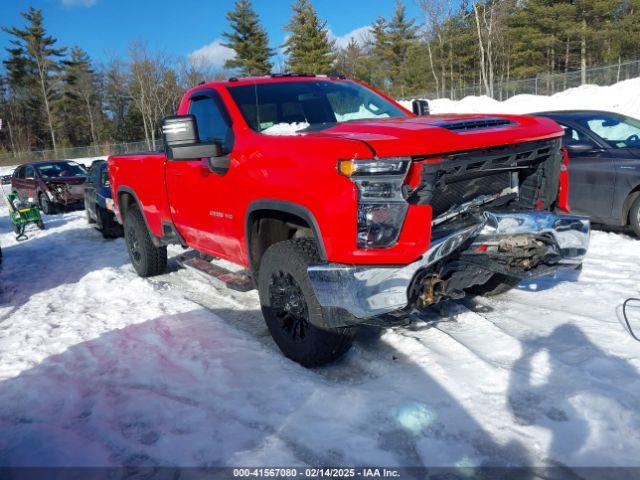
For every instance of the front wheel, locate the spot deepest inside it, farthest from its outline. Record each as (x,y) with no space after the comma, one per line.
(290,308)
(147,259)
(46,206)
(634,217)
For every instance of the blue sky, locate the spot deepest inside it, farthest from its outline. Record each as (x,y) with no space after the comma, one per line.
(105,28)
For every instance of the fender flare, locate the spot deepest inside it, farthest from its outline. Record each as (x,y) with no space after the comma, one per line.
(169,230)
(124,189)
(284,207)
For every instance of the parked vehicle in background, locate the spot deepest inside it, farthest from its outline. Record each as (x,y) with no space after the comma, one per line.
(344,207)
(50,184)
(604,165)
(5,180)
(97,200)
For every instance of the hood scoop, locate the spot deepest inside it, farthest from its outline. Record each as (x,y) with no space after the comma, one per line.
(474,124)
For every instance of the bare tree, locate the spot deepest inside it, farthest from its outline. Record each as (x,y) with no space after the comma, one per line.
(491,27)
(437,13)
(153,87)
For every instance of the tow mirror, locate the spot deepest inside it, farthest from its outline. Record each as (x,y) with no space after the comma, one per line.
(582,147)
(181,140)
(420,107)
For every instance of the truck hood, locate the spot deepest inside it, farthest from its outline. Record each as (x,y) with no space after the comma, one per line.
(435,134)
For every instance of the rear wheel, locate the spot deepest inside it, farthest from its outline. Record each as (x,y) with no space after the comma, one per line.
(634,217)
(147,259)
(107,224)
(497,285)
(290,307)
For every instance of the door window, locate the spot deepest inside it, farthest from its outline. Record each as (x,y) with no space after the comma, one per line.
(212,121)
(573,137)
(30,173)
(20,173)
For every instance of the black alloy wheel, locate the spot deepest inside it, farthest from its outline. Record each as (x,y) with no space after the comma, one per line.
(289,306)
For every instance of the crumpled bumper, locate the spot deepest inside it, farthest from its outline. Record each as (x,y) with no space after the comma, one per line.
(369,291)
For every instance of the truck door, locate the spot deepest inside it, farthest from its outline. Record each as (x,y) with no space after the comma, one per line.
(202,201)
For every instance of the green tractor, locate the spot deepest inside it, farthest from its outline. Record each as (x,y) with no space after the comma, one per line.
(22,214)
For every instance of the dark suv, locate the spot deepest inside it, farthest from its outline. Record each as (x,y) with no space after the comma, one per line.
(50,184)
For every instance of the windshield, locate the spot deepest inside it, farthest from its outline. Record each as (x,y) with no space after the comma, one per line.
(293,106)
(617,130)
(61,169)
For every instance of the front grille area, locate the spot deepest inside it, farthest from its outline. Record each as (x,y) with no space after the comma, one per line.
(461,191)
(532,168)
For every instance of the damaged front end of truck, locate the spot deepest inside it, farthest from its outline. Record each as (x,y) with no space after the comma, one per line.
(492,214)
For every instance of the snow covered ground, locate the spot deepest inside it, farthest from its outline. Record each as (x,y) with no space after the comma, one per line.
(100,367)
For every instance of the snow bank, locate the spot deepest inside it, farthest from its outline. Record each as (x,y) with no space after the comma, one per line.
(622,97)
(100,367)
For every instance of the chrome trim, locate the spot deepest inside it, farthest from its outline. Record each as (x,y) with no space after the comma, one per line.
(368,291)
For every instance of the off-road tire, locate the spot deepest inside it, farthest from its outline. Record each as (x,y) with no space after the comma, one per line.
(304,342)
(497,285)
(634,217)
(47,207)
(108,226)
(147,259)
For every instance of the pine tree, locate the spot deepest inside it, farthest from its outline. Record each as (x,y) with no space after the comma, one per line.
(81,99)
(308,47)
(34,55)
(402,36)
(248,40)
(392,42)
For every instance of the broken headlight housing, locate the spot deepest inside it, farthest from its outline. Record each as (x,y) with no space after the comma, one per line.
(381,204)
(56,190)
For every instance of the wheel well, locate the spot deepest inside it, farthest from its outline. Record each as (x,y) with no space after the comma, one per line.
(626,206)
(125,200)
(266,227)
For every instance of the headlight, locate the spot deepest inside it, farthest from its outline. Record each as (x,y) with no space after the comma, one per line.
(381,205)
(108,203)
(386,166)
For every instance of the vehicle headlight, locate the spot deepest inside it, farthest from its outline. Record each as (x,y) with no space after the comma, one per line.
(108,203)
(381,205)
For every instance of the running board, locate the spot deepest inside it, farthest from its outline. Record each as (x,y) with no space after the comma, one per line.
(238,281)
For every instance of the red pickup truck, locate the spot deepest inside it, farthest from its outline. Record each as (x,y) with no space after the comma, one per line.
(344,207)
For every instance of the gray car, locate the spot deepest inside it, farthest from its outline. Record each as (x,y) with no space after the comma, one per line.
(604,165)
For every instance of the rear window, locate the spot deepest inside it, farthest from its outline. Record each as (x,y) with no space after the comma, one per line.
(310,104)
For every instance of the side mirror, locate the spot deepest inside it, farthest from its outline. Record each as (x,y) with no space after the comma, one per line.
(582,147)
(420,107)
(181,140)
